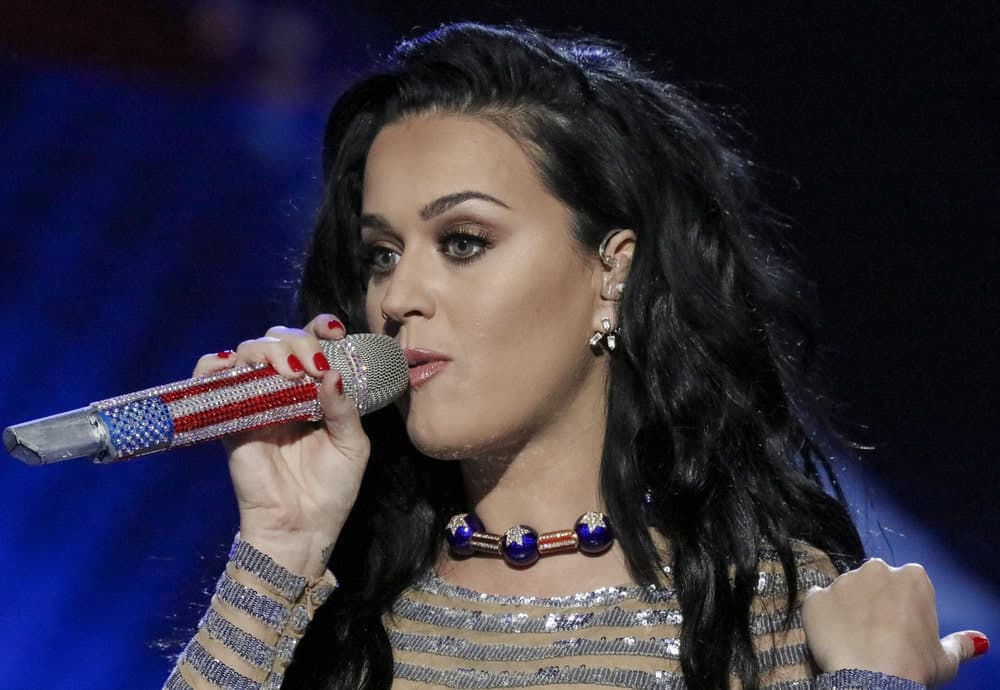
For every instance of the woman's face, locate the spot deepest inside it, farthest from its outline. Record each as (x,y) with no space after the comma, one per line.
(474,263)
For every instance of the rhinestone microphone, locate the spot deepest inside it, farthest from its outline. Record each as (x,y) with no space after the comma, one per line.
(372,367)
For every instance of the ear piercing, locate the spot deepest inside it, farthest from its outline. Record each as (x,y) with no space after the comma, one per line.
(606,334)
(602,251)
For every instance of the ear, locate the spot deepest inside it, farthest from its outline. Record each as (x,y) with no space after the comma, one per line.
(616,259)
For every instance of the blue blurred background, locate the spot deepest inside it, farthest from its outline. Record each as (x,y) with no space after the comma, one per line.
(160,166)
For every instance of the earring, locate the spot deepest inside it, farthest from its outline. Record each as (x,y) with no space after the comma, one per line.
(606,334)
(602,251)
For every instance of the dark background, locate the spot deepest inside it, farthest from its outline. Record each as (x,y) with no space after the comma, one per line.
(159,171)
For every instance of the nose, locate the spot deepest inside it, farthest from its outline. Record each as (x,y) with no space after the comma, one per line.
(408,293)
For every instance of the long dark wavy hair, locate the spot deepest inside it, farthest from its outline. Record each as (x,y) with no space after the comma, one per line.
(709,401)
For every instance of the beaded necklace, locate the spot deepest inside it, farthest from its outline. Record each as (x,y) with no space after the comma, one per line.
(522,545)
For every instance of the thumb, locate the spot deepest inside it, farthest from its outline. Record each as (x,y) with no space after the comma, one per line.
(959,647)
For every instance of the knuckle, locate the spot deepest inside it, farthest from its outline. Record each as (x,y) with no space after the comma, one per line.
(202,365)
(326,321)
(875,565)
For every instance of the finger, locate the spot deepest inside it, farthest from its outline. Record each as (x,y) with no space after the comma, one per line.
(955,649)
(269,350)
(327,327)
(965,645)
(305,347)
(214,362)
(341,419)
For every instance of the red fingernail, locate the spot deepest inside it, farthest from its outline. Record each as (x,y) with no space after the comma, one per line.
(340,389)
(295,364)
(321,363)
(980,645)
(333,325)
(225,354)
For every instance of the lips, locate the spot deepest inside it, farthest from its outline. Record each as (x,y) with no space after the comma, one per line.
(424,364)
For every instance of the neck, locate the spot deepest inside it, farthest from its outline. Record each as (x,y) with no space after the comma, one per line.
(547,484)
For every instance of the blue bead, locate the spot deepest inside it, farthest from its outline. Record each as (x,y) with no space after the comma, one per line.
(519,545)
(594,532)
(459,531)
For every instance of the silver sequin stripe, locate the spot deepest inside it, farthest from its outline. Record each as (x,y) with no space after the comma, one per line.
(446,645)
(252,602)
(235,393)
(773,585)
(250,648)
(523,623)
(470,679)
(768,585)
(776,657)
(249,559)
(557,622)
(216,671)
(277,414)
(806,684)
(176,682)
(286,647)
(175,386)
(647,594)
(855,679)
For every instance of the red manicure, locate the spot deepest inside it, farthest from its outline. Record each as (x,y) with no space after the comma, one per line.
(295,364)
(980,645)
(225,354)
(340,389)
(333,325)
(321,363)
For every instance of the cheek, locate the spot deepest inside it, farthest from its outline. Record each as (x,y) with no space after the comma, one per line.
(373,310)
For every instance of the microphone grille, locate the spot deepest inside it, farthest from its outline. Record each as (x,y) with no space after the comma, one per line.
(372,367)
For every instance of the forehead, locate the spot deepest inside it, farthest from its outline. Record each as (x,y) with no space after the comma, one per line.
(425,157)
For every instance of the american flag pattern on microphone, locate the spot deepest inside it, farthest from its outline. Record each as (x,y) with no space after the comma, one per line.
(235,400)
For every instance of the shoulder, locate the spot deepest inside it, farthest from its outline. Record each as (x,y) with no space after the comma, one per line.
(813,566)
(779,640)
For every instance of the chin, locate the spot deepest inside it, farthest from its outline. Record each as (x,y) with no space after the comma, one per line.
(440,446)
(450,436)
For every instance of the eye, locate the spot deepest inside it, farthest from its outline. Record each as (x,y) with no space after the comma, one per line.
(380,259)
(464,245)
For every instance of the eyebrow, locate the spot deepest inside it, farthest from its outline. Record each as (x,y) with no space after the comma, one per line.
(433,209)
(442,204)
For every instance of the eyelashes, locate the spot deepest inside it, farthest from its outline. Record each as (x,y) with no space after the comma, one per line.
(464,244)
(460,245)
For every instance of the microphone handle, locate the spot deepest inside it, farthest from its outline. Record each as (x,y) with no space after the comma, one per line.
(186,412)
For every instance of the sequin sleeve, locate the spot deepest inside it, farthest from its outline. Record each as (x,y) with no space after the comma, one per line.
(258,614)
(856,679)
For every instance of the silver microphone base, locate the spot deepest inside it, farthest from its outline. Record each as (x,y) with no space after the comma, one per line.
(74,434)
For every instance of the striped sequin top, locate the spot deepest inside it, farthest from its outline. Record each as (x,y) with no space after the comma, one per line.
(626,637)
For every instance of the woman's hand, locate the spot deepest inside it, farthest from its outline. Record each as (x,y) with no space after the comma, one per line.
(884,619)
(296,483)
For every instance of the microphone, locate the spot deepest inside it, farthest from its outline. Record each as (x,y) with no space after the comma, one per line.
(372,367)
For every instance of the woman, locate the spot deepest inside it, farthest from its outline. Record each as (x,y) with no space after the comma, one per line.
(597,324)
